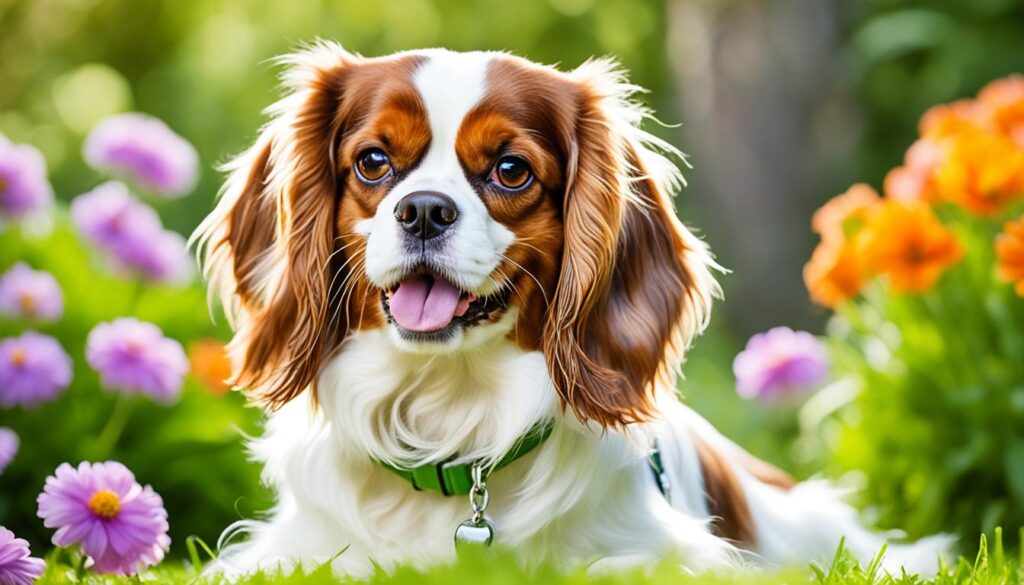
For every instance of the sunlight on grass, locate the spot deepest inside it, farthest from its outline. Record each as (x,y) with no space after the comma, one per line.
(992,566)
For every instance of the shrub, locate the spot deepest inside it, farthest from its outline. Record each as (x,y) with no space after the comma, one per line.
(928,328)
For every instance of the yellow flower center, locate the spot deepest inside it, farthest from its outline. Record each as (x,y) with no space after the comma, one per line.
(27,303)
(18,356)
(105,504)
(3,184)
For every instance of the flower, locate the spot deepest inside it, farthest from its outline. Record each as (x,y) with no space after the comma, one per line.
(145,150)
(946,120)
(982,172)
(30,293)
(131,233)
(905,184)
(915,180)
(134,357)
(109,214)
(24,188)
(779,363)
(120,525)
(16,566)
(1002,106)
(842,215)
(9,444)
(34,368)
(833,275)
(1010,254)
(906,242)
(160,256)
(210,364)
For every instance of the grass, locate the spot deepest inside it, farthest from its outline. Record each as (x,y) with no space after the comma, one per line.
(991,566)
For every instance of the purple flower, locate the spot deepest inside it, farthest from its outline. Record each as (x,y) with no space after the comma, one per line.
(120,525)
(107,213)
(780,363)
(32,294)
(24,188)
(9,444)
(143,149)
(16,566)
(34,368)
(134,357)
(160,256)
(131,233)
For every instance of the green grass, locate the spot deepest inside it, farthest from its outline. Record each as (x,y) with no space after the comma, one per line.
(992,566)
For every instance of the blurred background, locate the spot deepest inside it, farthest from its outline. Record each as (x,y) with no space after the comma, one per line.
(780,105)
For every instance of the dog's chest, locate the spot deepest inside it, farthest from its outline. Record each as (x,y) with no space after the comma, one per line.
(377,405)
(402,407)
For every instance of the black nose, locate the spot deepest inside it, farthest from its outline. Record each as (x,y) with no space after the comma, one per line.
(426,214)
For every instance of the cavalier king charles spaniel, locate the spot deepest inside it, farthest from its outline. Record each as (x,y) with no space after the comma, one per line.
(461,273)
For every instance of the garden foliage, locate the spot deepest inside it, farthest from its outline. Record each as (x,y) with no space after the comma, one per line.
(928,333)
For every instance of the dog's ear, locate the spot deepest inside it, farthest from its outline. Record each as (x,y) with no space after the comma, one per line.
(267,246)
(634,286)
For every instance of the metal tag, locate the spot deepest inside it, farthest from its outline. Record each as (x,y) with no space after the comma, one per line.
(470,533)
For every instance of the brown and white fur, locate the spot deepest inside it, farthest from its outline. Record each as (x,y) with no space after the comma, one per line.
(601,289)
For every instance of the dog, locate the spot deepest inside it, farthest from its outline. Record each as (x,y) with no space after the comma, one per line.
(456,274)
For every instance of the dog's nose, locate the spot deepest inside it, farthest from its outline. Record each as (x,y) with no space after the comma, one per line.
(426,214)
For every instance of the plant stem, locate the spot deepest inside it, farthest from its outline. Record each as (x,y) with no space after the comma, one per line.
(135,296)
(118,419)
(108,437)
(80,566)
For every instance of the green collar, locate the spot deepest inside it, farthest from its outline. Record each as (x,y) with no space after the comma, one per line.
(456,479)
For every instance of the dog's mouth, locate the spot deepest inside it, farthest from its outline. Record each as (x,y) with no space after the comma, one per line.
(425,306)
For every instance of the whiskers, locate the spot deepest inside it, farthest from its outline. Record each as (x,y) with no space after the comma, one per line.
(509,282)
(339,293)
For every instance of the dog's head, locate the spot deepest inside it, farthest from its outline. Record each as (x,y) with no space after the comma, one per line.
(451,198)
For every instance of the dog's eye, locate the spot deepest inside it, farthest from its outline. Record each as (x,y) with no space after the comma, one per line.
(372,165)
(512,173)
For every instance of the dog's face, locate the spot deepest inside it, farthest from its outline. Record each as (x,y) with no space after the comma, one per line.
(452,179)
(453,198)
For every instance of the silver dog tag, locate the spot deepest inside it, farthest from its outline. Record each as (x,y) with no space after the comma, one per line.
(470,533)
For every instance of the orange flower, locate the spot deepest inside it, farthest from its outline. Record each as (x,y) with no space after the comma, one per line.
(1001,105)
(950,119)
(841,216)
(907,243)
(210,365)
(982,172)
(833,274)
(915,181)
(1010,254)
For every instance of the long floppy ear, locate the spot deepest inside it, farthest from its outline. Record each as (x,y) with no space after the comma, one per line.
(635,286)
(267,246)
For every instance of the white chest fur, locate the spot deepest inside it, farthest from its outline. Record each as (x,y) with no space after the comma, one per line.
(588,492)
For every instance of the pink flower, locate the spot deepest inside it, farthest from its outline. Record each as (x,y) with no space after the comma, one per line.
(780,363)
(108,214)
(24,188)
(34,369)
(30,294)
(120,525)
(134,357)
(146,151)
(131,233)
(159,256)
(16,566)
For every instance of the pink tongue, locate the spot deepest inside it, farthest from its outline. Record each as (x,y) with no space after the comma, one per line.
(424,304)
